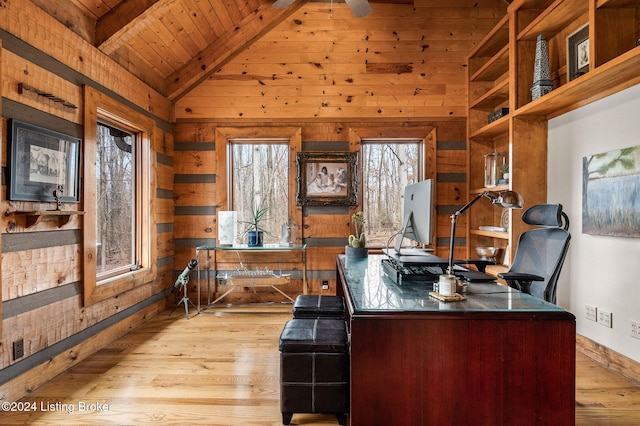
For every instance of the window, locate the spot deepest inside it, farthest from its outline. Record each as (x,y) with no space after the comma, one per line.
(119,245)
(115,201)
(387,167)
(259,178)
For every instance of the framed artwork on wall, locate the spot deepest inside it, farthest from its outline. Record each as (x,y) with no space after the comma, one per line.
(610,181)
(327,179)
(42,161)
(578,55)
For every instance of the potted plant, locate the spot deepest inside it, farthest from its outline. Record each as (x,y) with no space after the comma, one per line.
(358,241)
(254,230)
(505,173)
(505,170)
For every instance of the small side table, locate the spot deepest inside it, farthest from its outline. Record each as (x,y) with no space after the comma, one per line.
(250,278)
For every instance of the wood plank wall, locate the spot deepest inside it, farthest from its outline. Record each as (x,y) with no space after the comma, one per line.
(324,228)
(41,282)
(398,72)
(399,62)
(306,73)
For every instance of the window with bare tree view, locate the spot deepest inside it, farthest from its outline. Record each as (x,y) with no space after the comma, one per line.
(260,179)
(387,167)
(118,193)
(115,199)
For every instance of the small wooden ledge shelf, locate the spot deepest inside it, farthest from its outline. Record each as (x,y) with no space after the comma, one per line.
(32,218)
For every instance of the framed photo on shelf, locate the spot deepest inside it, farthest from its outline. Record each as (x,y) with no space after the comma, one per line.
(327,179)
(42,161)
(578,55)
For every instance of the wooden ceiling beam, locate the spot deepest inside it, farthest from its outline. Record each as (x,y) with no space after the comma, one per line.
(227,47)
(370,1)
(78,20)
(126,20)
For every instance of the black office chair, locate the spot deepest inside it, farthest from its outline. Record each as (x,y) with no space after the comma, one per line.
(540,252)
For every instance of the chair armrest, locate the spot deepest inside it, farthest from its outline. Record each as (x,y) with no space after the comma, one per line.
(517,276)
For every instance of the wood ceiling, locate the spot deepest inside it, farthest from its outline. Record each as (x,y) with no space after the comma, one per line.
(172,45)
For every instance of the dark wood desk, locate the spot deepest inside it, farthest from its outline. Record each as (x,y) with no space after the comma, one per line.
(500,357)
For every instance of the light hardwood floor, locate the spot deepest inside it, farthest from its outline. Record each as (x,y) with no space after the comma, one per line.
(222,368)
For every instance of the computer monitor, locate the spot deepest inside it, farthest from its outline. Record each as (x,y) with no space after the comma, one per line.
(417,215)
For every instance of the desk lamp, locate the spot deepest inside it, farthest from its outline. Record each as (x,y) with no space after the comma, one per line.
(507,199)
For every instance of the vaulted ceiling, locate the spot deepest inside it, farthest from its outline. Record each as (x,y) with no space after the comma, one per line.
(172,45)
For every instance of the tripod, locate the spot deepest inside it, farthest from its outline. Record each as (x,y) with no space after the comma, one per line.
(182,280)
(185,300)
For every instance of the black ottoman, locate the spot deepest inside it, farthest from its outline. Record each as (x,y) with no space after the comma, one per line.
(314,368)
(314,306)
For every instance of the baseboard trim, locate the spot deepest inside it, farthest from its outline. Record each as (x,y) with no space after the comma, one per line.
(25,383)
(614,361)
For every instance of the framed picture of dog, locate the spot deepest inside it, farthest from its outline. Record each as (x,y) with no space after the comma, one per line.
(327,179)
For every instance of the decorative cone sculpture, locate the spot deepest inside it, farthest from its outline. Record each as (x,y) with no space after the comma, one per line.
(541,74)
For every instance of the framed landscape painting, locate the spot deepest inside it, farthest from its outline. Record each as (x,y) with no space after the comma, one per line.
(611,193)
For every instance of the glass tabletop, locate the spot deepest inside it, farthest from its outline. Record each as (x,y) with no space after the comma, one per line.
(373,291)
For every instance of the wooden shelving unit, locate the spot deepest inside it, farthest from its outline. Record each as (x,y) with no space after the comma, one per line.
(552,19)
(614,28)
(614,76)
(489,89)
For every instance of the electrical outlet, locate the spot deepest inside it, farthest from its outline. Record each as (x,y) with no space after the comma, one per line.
(604,318)
(325,285)
(635,329)
(18,349)
(591,313)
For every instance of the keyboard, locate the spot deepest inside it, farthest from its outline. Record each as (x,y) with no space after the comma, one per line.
(405,274)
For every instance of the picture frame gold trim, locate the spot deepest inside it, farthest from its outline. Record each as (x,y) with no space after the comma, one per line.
(327,179)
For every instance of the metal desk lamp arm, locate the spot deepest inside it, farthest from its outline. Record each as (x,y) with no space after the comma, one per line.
(507,199)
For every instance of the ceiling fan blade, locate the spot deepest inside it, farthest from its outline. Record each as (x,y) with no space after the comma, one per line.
(281,4)
(360,8)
